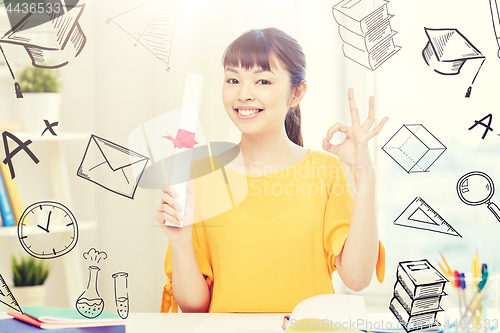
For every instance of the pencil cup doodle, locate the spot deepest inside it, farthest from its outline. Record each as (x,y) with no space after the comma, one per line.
(121,294)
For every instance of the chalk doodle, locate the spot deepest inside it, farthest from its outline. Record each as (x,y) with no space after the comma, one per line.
(487,127)
(495,19)
(121,294)
(447,50)
(110,166)
(6,296)
(477,188)
(151,24)
(414,148)
(90,304)
(419,215)
(49,127)
(63,36)
(10,154)
(418,291)
(365,29)
(49,216)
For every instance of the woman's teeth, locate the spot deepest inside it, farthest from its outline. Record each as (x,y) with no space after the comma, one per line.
(247,112)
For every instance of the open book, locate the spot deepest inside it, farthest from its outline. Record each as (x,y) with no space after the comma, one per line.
(323,313)
(48,317)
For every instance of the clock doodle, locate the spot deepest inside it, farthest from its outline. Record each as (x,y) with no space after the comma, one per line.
(50,217)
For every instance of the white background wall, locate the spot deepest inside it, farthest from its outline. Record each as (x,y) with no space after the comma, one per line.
(113,87)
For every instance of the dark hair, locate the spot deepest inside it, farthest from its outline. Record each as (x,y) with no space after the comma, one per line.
(256,48)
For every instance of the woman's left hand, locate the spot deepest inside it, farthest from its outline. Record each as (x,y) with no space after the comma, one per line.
(354,149)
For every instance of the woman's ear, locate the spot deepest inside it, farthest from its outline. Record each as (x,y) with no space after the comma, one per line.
(298,93)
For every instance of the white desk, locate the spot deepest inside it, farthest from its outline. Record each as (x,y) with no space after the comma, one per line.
(187,322)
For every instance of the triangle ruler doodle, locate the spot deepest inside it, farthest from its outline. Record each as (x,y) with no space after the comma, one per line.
(6,296)
(419,215)
(151,24)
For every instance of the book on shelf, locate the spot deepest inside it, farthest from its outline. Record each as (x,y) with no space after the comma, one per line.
(48,317)
(6,213)
(416,305)
(16,202)
(376,57)
(360,16)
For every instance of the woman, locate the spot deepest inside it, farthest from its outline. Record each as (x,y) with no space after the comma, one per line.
(298,223)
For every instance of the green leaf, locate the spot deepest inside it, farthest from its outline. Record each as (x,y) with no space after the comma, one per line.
(29,271)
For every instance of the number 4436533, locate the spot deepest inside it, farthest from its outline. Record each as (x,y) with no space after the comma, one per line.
(478,324)
(33,8)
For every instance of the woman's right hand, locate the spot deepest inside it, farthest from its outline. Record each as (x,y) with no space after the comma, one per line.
(170,211)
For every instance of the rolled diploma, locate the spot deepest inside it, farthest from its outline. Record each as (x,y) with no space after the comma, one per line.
(191,100)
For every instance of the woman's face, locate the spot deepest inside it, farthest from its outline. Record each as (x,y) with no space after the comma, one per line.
(256,100)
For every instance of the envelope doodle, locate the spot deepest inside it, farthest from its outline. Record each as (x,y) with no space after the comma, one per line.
(110,166)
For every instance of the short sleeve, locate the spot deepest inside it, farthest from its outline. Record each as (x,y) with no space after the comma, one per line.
(337,221)
(168,300)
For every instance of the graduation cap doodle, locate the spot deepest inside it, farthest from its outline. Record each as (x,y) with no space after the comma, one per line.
(447,51)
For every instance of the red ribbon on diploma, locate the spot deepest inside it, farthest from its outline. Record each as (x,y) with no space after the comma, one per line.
(183,139)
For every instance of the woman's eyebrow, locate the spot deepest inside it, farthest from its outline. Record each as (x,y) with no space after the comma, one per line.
(257,71)
(262,70)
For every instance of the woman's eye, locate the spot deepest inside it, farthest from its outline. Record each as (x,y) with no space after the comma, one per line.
(232,81)
(264,82)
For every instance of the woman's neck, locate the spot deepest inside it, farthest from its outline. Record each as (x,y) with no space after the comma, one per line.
(276,151)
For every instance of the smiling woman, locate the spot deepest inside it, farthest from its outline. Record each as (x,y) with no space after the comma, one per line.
(282,243)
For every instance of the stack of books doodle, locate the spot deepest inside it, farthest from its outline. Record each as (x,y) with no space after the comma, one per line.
(365,29)
(417,295)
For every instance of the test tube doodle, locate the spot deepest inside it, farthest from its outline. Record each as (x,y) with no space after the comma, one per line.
(121,294)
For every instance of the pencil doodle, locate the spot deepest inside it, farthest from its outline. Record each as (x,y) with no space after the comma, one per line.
(6,296)
(112,166)
(480,122)
(10,154)
(447,50)
(477,188)
(90,304)
(63,35)
(418,291)
(419,215)
(365,29)
(414,148)
(151,24)
(49,127)
(495,19)
(121,294)
(49,216)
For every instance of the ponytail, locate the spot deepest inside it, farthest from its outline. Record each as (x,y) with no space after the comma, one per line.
(292,125)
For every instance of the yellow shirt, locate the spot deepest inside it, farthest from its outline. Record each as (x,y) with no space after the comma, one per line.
(276,247)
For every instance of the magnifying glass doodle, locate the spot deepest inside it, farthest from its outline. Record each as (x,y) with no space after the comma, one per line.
(476,188)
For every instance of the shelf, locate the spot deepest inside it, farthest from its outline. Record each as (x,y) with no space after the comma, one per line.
(33,230)
(61,136)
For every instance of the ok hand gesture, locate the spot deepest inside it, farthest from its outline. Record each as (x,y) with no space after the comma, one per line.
(354,149)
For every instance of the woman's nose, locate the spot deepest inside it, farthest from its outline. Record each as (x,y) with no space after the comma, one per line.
(246,93)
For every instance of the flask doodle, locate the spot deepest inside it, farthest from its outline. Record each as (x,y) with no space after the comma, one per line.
(90,304)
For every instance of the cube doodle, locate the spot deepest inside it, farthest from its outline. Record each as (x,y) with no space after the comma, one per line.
(414,148)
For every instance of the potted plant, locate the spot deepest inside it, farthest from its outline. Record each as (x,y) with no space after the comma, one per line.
(41,99)
(29,276)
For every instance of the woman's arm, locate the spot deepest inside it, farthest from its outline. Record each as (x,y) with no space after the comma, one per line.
(356,262)
(188,284)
